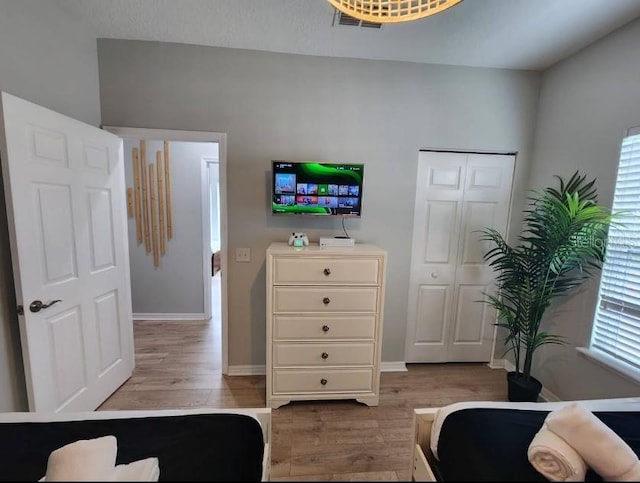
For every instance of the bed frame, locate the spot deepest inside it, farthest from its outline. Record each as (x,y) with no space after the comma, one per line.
(424,418)
(421,452)
(262,415)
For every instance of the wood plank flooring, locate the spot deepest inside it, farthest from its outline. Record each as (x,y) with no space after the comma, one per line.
(178,366)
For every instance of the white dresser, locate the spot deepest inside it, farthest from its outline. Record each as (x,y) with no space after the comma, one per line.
(324,323)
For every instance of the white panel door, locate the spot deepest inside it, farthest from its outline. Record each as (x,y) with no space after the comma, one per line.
(65,192)
(456,195)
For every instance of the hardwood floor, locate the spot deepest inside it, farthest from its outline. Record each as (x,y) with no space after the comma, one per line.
(178,366)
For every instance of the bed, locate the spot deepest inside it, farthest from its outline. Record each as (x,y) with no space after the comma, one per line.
(488,441)
(191,445)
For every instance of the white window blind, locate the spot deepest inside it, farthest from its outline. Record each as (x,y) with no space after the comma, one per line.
(616,330)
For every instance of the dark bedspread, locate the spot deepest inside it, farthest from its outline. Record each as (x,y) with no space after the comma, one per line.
(211,447)
(491,444)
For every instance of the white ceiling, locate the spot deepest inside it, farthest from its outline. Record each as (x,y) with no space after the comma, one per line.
(517,34)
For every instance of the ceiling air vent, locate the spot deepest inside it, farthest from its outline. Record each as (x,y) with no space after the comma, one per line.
(340,18)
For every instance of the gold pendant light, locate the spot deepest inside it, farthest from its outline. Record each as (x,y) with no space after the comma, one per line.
(391,11)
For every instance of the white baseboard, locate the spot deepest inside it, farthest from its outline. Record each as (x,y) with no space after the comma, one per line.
(248,370)
(157,317)
(394,366)
(507,365)
(548,396)
(496,364)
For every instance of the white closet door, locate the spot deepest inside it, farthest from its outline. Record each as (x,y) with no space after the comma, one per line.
(456,194)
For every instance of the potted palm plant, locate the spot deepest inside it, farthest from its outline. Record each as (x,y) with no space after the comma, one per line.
(562,243)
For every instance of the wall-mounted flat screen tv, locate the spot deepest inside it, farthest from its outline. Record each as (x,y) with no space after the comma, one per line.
(310,188)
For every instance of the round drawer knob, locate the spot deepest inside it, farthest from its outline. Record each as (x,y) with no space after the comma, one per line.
(326,300)
(434,274)
(325,328)
(324,355)
(327,271)
(323,381)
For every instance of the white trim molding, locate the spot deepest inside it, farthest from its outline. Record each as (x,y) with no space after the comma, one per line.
(248,370)
(496,364)
(548,396)
(611,364)
(157,317)
(393,366)
(505,364)
(545,394)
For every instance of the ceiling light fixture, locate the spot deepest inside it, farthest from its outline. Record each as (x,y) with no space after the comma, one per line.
(392,11)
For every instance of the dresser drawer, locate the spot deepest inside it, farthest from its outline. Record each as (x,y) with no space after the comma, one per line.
(322,354)
(286,381)
(330,271)
(324,299)
(294,327)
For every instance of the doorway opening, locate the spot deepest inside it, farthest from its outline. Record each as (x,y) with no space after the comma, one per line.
(182,285)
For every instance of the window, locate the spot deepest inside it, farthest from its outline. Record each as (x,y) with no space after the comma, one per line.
(616,329)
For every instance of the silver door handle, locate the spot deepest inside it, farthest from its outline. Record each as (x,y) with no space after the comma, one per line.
(37,305)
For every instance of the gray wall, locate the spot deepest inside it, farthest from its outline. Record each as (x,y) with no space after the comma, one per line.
(587,102)
(46,58)
(290,107)
(177,285)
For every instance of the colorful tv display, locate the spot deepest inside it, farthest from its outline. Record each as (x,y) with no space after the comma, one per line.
(310,188)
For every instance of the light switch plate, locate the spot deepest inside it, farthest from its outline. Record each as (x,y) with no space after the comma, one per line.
(243,254)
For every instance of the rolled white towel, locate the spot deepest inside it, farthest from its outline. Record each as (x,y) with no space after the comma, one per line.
(83,460)
(554,459)
(600,447)
(632,474)
(142,470)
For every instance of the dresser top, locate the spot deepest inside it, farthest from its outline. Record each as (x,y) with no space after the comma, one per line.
(314,248)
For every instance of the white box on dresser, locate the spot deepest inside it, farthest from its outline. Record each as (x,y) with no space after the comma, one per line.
(324,322)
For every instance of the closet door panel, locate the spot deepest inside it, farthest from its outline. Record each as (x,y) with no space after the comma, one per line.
(457,195)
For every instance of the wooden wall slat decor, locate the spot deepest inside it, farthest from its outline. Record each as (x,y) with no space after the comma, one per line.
(145,195)
(160,169)
(154,215)
(167,184)
(130,202)
(149,201)
(137,194)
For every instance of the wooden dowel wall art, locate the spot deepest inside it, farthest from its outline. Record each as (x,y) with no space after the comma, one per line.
(154,216)
(167,184)
(160,169)
(130,202)
(149,200)
(137,194)
(145,195)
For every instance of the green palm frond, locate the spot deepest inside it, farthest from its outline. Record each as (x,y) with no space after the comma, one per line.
(561,245)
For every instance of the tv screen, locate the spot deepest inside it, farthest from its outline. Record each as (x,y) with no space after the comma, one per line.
(309,188)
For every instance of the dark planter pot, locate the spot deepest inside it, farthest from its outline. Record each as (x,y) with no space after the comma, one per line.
(521,391)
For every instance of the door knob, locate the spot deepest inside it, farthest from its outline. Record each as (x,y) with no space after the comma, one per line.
(37,305)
